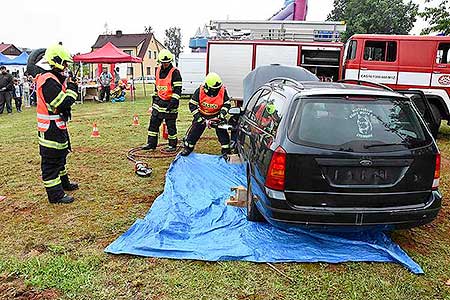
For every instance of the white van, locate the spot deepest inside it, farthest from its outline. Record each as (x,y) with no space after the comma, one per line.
(193,71)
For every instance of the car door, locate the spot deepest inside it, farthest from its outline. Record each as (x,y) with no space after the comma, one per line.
(379,62)
(441,67)
(244,135)
(424,108)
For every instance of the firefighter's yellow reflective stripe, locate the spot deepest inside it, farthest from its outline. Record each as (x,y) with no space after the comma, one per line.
(176,96)
(52,182)
(163,109)
(63,172)
(152,133)
(58,100)
(48,117)
(226,146)
(177,83)
(194,111)
(172,137)
(192,101)
(52,144)
(72,94)
(199,120)
(189,145)
(61,97)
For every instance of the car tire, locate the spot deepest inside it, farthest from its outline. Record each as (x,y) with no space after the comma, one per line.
(253,213)
(436,114)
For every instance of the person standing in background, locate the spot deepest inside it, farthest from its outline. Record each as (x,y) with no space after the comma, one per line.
(105,79)
(26,91)
(6,87)
(116,77)
(17,95)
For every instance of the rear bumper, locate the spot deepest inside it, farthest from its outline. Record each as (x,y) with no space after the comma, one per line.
(280,213)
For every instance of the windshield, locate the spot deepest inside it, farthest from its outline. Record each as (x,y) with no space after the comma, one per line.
(362,125)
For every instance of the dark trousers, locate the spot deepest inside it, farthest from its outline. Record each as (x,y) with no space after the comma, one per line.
(105,90)
(54,175)
(18,101)
(196,132)
(153,128)
(5,98)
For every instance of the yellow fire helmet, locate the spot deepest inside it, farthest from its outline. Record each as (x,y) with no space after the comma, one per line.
(56,55)
(165,56)
(213,81)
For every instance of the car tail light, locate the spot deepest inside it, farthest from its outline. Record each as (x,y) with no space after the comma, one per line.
(437,172)
(277,170)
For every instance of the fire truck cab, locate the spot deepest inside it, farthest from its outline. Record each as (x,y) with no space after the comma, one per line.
(403,63)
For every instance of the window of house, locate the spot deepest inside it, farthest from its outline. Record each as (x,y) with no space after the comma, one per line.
(380,51)
(150,54)
(149,71)
(351,51)
(443,54)
(156,54)
(130,71)
(129,52)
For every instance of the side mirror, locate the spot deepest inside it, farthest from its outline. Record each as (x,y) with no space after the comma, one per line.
(235,111)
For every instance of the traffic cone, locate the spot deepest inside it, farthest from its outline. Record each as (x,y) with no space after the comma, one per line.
(135,120)
(165,133)
(95,133)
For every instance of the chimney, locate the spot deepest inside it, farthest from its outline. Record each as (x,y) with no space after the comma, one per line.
(118,33)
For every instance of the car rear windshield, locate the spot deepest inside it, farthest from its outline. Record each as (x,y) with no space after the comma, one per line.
(358,124)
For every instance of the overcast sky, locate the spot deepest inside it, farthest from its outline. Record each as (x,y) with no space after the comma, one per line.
(34,24)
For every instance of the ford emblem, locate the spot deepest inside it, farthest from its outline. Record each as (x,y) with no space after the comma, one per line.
(365,163)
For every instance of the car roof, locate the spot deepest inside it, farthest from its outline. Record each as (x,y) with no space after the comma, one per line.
(311,88)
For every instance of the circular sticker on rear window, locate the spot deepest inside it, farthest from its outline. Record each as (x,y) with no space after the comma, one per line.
(444,80)
(362,117)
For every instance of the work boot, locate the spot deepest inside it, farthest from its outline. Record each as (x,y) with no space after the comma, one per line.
(171,149)
(71,186)
(67,184)
(148,147)
(186,151)
(64,200)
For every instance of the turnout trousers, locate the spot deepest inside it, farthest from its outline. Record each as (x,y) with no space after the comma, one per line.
(196,131)
(54,173)
(155,122)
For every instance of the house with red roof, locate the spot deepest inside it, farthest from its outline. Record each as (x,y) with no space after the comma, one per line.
(143,45)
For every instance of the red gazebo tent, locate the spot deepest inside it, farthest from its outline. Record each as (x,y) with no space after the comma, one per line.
(108,54)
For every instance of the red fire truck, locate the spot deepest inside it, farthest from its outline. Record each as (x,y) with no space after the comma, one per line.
(403,63)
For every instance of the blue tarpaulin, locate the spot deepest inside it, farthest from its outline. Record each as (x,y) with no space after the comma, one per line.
(4,60)
(191,221)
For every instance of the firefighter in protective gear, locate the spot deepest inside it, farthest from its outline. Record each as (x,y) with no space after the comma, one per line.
(165,102)
(55,95)
(209,102)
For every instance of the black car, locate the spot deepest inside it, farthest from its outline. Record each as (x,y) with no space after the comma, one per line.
(335,154)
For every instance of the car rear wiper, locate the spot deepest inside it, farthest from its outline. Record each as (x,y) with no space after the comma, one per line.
(383,145)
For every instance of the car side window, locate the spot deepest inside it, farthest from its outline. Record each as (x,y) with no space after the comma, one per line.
(269,111)
(443,54)
(255,99)
(380,51)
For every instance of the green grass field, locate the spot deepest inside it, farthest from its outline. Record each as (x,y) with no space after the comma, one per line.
(55,251)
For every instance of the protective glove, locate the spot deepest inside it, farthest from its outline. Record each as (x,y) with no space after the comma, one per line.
(3,89)
(209,123)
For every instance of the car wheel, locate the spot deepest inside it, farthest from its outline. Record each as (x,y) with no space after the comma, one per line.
(253,213)
(437,114)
